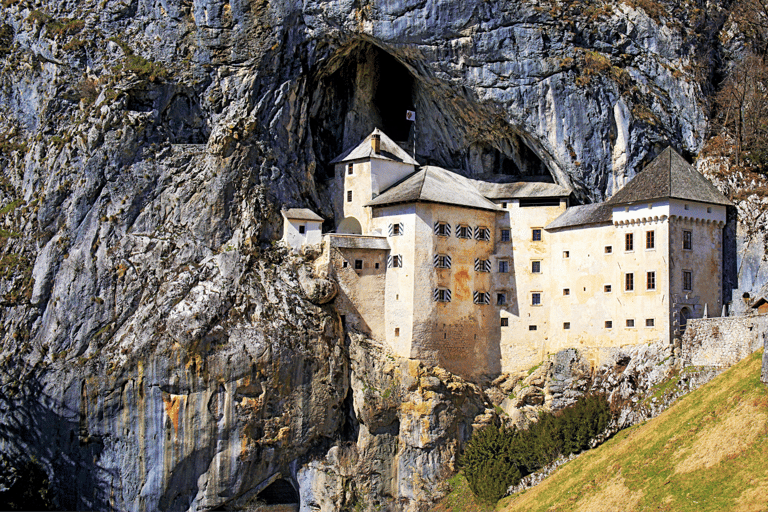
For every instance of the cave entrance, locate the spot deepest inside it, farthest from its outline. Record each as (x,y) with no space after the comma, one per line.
(362,87)
(279,495)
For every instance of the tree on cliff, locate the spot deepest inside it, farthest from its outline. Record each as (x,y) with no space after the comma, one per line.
(742,110)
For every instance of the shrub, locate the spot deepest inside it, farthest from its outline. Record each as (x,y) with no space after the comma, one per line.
(496,458)
(489,462)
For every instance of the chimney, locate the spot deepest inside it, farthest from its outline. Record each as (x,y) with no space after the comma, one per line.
(376,143)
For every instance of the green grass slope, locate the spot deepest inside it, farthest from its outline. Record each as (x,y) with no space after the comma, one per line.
(707,452)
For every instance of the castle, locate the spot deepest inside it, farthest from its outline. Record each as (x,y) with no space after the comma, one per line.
(483,278)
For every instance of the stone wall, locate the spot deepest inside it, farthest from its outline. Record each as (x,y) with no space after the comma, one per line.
(723,341)
(764,373)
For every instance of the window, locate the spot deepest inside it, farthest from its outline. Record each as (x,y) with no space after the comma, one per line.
(536,299)
(349,196)
(566,254)
(650,243)
(608,249)
(687,280)
(395,261)
(397,331)
(566,291)
(650,322)
(483,234)
(532,327)
(481,297)
(442,229)
(630,322)
(629,242)
(302,229)
(396,229)
(687,240)
(503,266)
(650,280)
(501,299)
(629,282)
(709,209)
(344,264)
(505,235)
(358,264)
(376,265)
(609,324)
(686,207)
(350,168)
(482,265)
(536,235)
(536,267)
(566,325)
(505,322)
(442,295)
(441,261)
(503,205)
(607,288)
(463,232)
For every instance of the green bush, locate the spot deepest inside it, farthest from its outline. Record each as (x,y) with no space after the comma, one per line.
(496,458)
(490,463)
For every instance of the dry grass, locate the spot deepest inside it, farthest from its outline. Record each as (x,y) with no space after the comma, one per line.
(614,495)
(706,453)
(723,439)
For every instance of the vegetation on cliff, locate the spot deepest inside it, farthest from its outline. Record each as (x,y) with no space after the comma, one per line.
(496,458)
(707,452)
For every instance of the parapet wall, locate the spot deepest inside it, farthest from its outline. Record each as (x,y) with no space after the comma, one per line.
(723,341)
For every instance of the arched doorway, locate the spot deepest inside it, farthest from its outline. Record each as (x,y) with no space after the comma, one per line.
(350,225)
(685,315)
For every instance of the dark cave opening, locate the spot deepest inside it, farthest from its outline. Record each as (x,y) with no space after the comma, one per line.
(362,87)
(393,96)
(279,492)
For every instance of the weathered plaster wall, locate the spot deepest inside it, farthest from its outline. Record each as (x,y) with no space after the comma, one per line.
(457,335)
(586,273)
(368,179)
(361,292)
(399,293)
(704,261)
(723,341)
(295,240)
(520,346)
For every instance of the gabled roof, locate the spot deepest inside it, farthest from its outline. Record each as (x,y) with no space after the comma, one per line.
(669,176)
(301,214)
(598,213)
(435,185)
(520,189)
(389,150)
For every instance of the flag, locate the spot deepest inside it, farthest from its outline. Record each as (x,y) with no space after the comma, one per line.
(410,115)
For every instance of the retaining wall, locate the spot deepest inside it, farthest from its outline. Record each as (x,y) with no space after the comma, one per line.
(723,341)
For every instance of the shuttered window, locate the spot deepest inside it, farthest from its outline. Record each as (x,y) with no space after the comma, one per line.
(442,295)
(481,297)
(482,265)
(441,261)
(482,233)
(442,229)
(396,229)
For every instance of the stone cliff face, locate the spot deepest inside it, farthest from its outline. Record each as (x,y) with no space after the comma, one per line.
(157,351)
